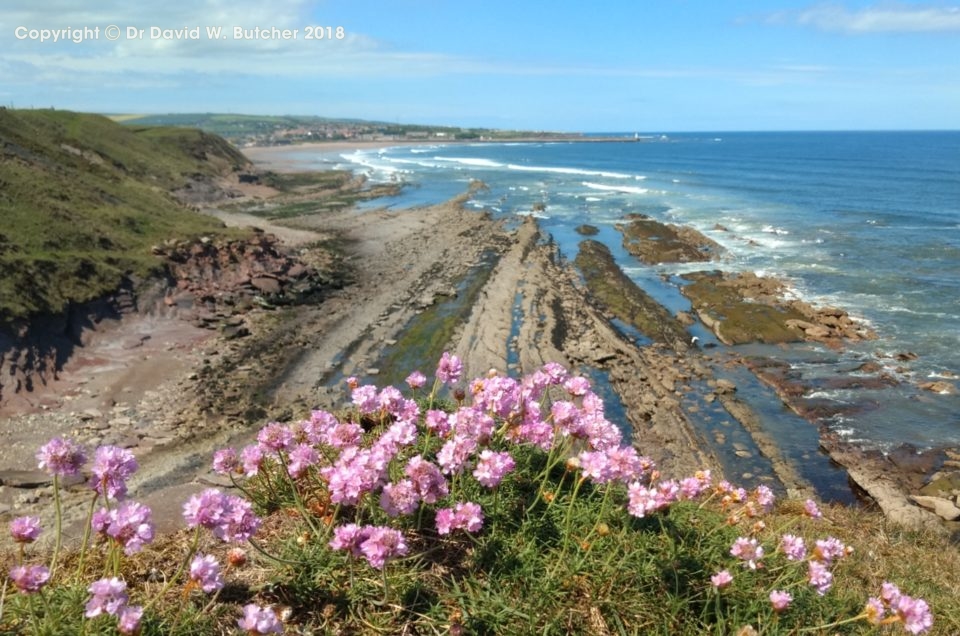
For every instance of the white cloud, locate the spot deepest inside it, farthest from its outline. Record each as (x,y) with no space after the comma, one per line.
(884,18)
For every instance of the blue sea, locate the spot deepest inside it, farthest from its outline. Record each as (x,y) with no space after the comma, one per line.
(865,221)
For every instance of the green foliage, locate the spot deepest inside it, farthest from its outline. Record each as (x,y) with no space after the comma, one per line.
(559,550)
(83,199)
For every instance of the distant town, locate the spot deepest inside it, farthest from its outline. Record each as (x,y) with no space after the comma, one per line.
(253,130)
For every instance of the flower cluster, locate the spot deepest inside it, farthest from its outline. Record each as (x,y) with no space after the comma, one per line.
(376,544)
(129,524)
(25,529)
(112,467)
(463,516)
(109,596)
(61,457)
(229,517)
(390,465)
(259,620)
(29,578)
(914,613)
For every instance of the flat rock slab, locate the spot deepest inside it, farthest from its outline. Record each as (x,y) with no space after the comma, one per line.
(25,478)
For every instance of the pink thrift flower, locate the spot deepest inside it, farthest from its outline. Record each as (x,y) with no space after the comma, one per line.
(437,422)
(416,380)
(400,434)
(29,578)
(780,600)
(577,386)
(499,395)
(747,550)
(239,523)
(275,437)
(226,462)
(206,509)
(471,422)
(765,497)
(343,435)
(463,516)
(205,572)
(535,384)
(399,498)
(537,432)
(829,549)
(130,526)
(819,576)
(61,457)
(811,509)
(566,416)
(642,500)
(793,547)
(469,516)
(667,493)
(430,483)
(874,610)
(108,596)
(259,620)
(252,458)
(690,488)
(595,466)
(625,464)
(128,622)
(449,369)
(915,614)
(381,545)
(492,467)
(365,399)
(319,423)
(721,579)
(112,467)
(302,457)
(349,537)
(390,399)
(25,529)
(601,433)
(455,453)
(890,593)
(555,372)
(444,520)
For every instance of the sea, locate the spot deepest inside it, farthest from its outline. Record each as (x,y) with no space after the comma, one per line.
(865,221)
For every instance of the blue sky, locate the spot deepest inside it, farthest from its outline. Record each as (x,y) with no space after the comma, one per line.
(666,65)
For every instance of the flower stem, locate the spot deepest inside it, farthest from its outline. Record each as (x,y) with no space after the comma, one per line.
(86,535)
(59,526)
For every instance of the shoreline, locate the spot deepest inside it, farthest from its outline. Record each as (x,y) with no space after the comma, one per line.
(533,309)
(262,155)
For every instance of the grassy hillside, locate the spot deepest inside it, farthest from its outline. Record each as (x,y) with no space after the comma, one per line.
(83,198)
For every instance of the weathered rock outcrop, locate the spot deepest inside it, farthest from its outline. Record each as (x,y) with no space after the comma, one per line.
(743,307)
(211,277)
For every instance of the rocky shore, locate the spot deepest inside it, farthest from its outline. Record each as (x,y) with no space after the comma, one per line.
(269,326)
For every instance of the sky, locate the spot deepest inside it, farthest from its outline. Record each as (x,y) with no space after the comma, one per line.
(565,65)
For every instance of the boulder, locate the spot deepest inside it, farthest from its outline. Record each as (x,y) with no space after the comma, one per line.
(266,285)
(939,386)
(943,508)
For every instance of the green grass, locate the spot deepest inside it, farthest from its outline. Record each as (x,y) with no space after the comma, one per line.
(557,553)
(83,199)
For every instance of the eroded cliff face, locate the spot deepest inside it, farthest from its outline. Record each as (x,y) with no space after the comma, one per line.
(211,282)
(33,352)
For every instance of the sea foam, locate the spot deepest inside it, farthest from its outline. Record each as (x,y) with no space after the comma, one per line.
(616,188)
